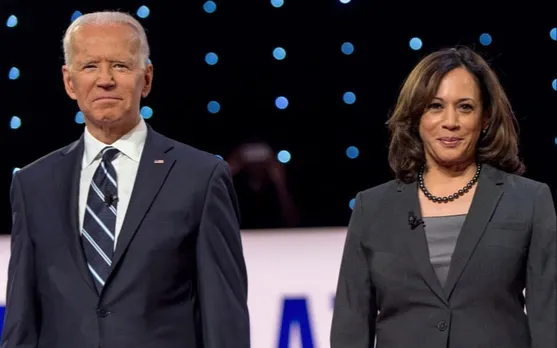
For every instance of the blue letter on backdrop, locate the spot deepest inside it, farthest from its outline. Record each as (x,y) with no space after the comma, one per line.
(295,312)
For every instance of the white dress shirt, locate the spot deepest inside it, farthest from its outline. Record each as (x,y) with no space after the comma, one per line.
(125,163)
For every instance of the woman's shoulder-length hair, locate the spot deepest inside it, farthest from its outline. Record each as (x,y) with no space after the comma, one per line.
(498,146)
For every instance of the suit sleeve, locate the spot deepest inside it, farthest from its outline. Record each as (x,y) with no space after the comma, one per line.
(22,317)
(222,274)
(541,273)
(355,310)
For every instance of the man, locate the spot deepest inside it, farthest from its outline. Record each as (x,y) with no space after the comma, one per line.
(124,238)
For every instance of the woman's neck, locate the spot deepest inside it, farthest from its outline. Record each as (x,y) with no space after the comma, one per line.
(441,173)
(442,180)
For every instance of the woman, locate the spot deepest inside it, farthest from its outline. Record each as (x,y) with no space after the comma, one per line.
(441,256)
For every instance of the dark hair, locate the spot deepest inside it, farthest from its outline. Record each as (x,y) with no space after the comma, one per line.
(498,146)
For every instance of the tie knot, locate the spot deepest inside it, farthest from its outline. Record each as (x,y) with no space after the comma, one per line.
(109,153)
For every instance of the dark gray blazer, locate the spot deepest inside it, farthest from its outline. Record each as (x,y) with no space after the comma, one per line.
(388,290)
(178,277)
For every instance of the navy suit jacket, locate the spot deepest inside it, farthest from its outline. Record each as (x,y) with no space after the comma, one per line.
(178,277)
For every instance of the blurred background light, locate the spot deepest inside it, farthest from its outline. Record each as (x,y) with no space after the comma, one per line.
(79,118)
(209,6)
(416,43)
(146,112)
(485,39)
(347,48)
(213,107)
(75,15)
(279,53)
(281,103)
(15,122)
(284,156)
(211,58)
(352,152)
(12,21)
(143,11)
(13,74)
(349,98)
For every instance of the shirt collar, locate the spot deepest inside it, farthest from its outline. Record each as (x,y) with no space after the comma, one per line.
(130,145)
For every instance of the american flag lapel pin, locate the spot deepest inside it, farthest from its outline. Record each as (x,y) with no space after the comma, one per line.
(159,161)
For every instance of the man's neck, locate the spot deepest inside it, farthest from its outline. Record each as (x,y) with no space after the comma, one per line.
(110,134)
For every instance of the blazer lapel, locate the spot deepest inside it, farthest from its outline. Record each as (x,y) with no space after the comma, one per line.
(67,176)
(415,237)
(154,167)
(486,198)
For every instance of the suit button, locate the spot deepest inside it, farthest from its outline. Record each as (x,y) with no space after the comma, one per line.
(102,313)
(442,326)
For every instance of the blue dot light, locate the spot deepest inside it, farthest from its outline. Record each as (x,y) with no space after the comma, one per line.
(143,12)
(352,152)
(213,107)
(344,1)
(352,203)
(15,170)
(209,6)
(553,34)
(79,118)
(279,53)
(75,15)
(349,98)
(15,122)
(12,21)
(146,112)
(211,58)
(284,156)
(416,43)
(554,84)
(13,74)
(281,103)
(219,156)
(277,3)
(485,39)
(347,48)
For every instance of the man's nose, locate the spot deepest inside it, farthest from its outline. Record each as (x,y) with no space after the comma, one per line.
(105,78)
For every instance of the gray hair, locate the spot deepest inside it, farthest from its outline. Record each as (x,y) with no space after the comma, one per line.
(106,17)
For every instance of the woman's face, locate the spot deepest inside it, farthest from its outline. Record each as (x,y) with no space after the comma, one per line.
(452,123)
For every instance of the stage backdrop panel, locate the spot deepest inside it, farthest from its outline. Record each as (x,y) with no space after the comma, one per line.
(292,279)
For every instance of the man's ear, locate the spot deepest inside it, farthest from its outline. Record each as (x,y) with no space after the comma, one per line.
(148,80)
(68,84)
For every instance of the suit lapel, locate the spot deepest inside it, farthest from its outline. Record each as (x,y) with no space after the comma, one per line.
(486,198)
(415,237)
(156,162)
(67,175)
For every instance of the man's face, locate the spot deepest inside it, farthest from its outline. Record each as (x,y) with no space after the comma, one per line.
(106,76)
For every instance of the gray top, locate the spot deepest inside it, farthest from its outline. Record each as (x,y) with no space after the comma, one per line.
(442,233)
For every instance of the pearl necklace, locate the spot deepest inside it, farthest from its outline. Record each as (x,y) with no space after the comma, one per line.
(452,197)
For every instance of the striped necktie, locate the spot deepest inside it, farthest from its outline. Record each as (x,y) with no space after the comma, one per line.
(98,231)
